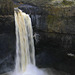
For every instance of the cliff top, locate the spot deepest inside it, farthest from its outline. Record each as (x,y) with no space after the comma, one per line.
(60,3)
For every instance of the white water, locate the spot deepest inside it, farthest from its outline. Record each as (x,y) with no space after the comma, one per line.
(25,53)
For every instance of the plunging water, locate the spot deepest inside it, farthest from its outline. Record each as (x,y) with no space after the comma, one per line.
(24,41)
(25,53)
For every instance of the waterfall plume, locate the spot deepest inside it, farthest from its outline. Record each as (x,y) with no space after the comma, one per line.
(25,53)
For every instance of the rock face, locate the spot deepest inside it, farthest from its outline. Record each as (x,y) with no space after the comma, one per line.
(61,20)
(47,2)
(7,35)
(7,43)
(7,50)
(7,24)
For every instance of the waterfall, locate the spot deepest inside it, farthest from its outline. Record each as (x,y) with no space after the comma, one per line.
(25,53)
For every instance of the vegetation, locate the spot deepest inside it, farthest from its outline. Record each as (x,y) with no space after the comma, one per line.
(65,2)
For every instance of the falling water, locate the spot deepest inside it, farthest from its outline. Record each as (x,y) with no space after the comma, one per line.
(25,53)
(24,41)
